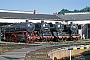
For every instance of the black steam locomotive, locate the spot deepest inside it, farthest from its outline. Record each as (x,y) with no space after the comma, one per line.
(43,29)
(30,32)
(19,32)
(61,35)
(72,30)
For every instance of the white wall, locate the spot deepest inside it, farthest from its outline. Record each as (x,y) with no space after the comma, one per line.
(12,20)
(52,21)
(80,22)
(23,20)
(35,21)
(17,20)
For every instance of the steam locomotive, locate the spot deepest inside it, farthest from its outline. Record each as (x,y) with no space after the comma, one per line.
(19,32)
(61,35)
(43,31)
(72,30)
(63,32)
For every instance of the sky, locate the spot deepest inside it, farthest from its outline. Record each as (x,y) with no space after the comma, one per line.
(43,6)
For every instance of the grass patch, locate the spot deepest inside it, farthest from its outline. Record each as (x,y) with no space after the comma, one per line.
(75,42)
(34,58)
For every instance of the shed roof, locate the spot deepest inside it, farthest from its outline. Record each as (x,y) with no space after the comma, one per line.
(75,17)
(8,15)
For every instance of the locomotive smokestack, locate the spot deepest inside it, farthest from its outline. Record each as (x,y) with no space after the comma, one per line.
(71,22)
(42,21)
(27,20)
(56,22)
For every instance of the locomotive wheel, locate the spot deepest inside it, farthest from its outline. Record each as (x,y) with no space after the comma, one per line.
(57,40)
(27,41)
(43,40)
(16,40)
(7,39)
(32,41)
(48,40)
(62,39)
(13,39)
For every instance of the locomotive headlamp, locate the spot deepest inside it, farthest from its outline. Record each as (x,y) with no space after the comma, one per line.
(58,25)
(43,25)
(28,25)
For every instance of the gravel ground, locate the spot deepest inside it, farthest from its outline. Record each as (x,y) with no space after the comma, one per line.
(37,54)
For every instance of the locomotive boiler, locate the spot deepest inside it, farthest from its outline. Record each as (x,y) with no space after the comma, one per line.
(19,32)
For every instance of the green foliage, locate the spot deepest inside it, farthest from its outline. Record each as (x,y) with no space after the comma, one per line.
(63,11)
(34,58)
(86,9)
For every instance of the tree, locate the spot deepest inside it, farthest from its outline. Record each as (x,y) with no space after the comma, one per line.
(76,10)
(87,9)
(63,11)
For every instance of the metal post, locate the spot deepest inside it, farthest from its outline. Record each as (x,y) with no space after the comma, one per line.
(0,33)
(87,30)
(70,54)
(81,31)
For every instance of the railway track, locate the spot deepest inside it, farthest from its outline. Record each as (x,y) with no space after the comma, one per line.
(28,51)
(17,51)
(21,51)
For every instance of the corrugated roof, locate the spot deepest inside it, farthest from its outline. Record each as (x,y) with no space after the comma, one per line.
(75,17)
(6,15)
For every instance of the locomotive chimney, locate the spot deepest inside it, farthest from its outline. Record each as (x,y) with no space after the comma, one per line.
(34,12)
(56,22)
(27,20)
(71,22)
(42,21)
